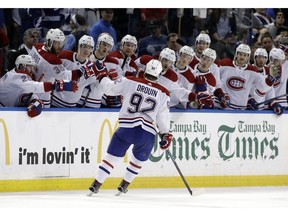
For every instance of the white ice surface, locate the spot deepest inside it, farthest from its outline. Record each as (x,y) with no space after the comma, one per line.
(238,200)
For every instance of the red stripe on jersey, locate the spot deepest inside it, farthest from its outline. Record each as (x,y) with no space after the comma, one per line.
(109,164)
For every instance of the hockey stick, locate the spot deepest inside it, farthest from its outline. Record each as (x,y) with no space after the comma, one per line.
(272,99)
(179,171)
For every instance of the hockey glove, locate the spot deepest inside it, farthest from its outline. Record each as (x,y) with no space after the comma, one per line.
(277,108)
(35,108)
(99,70)
(87,71)
(274,73)
(224,100)
(252,104)
(165,141)
(200,84)
(204,100)
(61,85)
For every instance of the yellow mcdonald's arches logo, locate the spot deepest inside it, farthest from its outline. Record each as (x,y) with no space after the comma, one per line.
(7,144)
(100,140)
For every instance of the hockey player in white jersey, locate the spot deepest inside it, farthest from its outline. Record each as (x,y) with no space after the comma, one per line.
(73,61)
(49,63)
(260,60)
(180,96)
(104,45)
(238,78)
(18,89)
(279,64)
(145,102)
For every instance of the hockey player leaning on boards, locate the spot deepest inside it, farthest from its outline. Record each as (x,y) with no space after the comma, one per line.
(49,63)
(260,60)
(18,88)
(145,102)
(180,96)
(239,77)
(73,61)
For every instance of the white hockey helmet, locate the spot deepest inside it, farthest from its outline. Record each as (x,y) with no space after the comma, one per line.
(107,38)
(153,68)
(276,53)
(25,60)
(209,53)
(168,54)
(260,52)
(55,35)
(129,39)
(203,37)
(244,48)
(88,40)
(187,50)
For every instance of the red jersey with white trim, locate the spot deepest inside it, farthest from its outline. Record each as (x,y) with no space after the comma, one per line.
(18,89)
(51,66)
(144,102)
(237,82)
(66,98)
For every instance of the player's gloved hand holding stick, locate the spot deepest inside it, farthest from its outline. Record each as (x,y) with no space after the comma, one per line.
(64,85)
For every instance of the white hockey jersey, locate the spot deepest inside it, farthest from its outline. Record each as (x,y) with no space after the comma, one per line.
(51,66)
(144,103)
(237,82)
(18,89)
(66,98)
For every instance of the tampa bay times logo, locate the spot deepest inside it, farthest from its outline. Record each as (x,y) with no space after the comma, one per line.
(5,142)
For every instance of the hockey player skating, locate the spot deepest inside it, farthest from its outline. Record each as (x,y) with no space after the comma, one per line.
(18,89)
(145,102)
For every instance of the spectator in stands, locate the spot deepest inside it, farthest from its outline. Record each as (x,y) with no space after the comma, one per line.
(267,43)
(155,42)
(277,26)
(31,37)
(104,25)
(78,29)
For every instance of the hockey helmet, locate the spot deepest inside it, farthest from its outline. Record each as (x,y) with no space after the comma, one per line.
(276,53)
(88,40)
(244,48)
(187,50)
(153,68)
(203,37)
(260,52)
(209,53)
(129,39)
(107,38)
(55,35)
(168,54)
(25,60)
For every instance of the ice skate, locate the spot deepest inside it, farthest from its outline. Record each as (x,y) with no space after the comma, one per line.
(122,188)
(94,188)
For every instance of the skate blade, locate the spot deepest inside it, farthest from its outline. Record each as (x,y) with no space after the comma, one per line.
(118,193)
(90,194)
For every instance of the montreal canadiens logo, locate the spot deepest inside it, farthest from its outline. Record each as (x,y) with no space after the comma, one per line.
(236,83)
